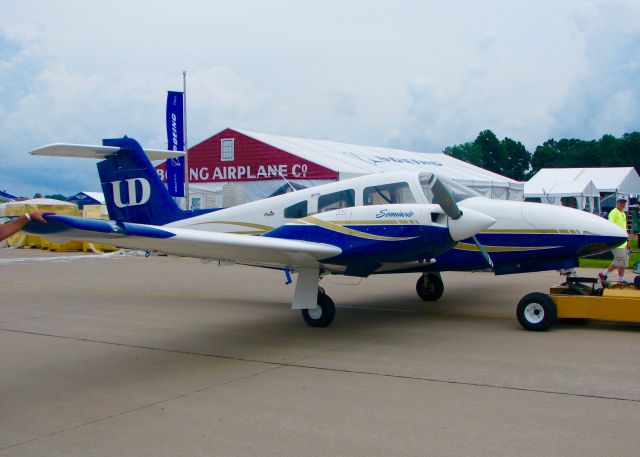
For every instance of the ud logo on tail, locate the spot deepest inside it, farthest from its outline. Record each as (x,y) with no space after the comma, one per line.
(134,199)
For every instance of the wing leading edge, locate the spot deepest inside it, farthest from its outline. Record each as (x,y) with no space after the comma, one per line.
(96,152)
(254,250)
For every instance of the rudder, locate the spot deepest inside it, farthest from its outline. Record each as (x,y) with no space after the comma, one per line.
(132,189)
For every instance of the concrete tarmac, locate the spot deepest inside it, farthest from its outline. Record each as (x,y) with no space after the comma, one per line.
(134,356)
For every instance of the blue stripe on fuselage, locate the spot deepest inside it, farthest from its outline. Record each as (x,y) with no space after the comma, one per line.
(415,242)
(552,248)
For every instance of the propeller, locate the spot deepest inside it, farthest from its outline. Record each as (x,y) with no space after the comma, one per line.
(461,225)
(442,196)
(483,251)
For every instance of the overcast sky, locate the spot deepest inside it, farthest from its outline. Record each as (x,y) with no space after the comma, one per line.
(418,75)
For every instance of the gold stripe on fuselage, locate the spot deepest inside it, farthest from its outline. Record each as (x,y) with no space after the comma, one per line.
(531,231)
(473,247)
(260,229)
(347,231)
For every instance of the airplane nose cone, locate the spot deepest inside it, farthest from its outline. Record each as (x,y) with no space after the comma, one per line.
(602,227)
(615,231)
(593,234)
(470,223)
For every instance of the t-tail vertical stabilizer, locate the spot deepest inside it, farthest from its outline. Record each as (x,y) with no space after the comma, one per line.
(132,189)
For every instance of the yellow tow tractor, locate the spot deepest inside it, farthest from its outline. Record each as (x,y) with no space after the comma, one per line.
(580,298)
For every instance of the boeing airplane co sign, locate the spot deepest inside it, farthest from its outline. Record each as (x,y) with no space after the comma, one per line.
(249,160)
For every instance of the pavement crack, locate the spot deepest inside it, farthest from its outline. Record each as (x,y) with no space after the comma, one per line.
(141,407)
(298,364)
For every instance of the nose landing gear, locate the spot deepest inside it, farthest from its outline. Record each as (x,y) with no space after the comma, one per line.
(430,286)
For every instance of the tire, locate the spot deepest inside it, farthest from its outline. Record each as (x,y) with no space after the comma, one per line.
(430,288)
(323,315)
(536,312)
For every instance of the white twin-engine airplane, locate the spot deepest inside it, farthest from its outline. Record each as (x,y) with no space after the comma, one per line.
(381,223)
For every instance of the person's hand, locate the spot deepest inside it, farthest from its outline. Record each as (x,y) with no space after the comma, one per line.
(39,215)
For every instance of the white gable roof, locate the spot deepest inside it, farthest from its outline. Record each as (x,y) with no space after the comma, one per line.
(623,180)
(353,160)
(561,188)
(98,196)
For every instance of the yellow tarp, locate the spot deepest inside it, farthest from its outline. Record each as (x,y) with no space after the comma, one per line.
(96,212)
(22,239)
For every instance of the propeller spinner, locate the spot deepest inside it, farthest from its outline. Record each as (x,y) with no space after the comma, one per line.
(461,225)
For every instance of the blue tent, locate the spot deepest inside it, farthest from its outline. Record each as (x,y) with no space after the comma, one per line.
(4,197)
(87,198)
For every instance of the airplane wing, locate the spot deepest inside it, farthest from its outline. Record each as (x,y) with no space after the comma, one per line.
(96,152)
(253,250)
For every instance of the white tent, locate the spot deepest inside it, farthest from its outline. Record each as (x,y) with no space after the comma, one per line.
(581,194)
(351,160)
(610,182)
(36,202)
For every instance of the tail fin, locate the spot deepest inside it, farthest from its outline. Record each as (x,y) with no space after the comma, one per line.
(133,190)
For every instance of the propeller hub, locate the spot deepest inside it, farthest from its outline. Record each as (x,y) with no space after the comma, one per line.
(469,224)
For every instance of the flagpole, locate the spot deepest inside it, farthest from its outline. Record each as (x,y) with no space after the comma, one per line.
(184,132)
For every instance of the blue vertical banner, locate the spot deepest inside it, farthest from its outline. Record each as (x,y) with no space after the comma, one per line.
(175,140)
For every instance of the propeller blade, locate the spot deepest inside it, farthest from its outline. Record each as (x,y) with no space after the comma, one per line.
(483,251)
(443,197)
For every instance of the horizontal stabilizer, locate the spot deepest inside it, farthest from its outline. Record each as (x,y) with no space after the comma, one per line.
(96,152)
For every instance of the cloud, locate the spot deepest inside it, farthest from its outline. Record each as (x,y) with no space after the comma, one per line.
(605,95)
(42,101)
(345,104)
(421,77)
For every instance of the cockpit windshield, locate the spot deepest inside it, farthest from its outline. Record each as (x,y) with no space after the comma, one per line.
(458,191)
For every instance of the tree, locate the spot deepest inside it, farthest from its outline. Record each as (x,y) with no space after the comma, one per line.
(492,153)
(518,159)
(56,197)
(545,156)
(469,152)
(630,149)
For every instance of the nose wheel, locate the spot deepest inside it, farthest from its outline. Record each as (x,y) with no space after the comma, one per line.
(323,314)
(430,287)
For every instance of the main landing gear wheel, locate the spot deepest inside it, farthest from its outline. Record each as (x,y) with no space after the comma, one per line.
(537,312)
(323,314)
(430,287)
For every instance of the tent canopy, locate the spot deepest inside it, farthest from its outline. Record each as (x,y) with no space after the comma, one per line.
(87,198)
(351,160)
(4,196)
(38,201)
(622,180)
(561,189)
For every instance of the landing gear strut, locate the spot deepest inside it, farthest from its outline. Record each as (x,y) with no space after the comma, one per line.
(323,314)
(430,286)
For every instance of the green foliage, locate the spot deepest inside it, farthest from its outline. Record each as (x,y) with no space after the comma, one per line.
(510,158)
(469,152)
(493,156)
(517,160)
(56,197)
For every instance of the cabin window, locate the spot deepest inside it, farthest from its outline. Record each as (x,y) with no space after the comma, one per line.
(227,152)
(457,190)
(296,211)
(533,199)
(398,192)
(336,200)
